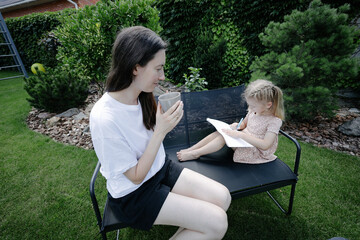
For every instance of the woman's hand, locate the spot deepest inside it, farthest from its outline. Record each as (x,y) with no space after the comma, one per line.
(165,122)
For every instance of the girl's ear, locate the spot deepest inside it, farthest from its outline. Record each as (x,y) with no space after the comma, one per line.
(269,105)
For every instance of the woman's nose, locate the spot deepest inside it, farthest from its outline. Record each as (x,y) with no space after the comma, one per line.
(162,76)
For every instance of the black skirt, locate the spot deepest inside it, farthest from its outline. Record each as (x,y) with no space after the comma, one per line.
(139,209)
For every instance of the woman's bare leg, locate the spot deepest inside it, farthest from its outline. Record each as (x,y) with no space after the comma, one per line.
(216,143)
(199,219)
(197,205)
(195,185)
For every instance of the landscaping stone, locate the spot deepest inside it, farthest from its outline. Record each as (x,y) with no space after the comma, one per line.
(80,116)
(45,115)
(69,113)
(351,128)
(52,121)
(354,110)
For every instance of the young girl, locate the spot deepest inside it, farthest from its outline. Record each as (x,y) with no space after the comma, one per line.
(259,128)
(127,130)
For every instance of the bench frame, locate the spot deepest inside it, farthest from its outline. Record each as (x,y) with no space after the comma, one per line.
(110,222)
(264,187)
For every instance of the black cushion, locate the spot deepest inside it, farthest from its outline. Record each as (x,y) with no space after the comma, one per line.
(239,177)
(110,222)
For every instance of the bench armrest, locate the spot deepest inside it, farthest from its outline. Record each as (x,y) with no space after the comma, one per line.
(92,194)
(298,151)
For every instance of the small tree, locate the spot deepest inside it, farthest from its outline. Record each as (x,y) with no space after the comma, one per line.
(309,49)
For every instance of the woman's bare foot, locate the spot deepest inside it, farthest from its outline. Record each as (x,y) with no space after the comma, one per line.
(186,154)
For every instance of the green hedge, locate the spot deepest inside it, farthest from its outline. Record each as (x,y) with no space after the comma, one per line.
(87,36)
(187,26)
(32,39)
(251,17)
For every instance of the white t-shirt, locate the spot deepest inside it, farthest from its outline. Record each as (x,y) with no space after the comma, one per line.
(120,138)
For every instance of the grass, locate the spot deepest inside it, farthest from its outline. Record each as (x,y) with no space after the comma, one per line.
(44,189)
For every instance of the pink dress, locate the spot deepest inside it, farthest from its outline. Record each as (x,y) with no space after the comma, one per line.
(257,126)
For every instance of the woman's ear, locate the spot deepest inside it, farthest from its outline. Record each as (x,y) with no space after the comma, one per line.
(136,69)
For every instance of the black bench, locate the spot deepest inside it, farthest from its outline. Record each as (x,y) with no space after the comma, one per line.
(241,179)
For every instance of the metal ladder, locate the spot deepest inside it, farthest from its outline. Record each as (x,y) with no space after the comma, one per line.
(13,51)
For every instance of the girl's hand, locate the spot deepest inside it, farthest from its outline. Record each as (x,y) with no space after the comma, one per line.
(232,133)
(233,126)
(165,122)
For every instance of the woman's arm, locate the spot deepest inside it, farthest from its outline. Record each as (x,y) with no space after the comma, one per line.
(164,124)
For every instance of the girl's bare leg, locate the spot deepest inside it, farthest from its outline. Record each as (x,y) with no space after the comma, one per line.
(203,141)
(197,205)
(215,144)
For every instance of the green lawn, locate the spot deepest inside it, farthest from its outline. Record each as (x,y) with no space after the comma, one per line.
(44,189)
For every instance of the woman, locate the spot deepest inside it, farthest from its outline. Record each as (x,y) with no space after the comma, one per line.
(127,131)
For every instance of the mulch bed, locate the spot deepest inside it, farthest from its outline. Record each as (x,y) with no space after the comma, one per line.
(321,132)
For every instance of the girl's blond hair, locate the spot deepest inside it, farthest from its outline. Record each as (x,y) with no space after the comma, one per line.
(264,90)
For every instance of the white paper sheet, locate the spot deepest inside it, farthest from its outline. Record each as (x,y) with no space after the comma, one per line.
(230,141)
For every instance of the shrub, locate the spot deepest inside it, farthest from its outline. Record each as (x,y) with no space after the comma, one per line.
(314,101)
(236,57)
(30,35)
(87,36)
(309,49)
(194,82)
(251,17)
(209,56)
(56,90)
(184,21)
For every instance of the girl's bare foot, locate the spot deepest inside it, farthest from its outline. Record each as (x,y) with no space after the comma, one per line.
(186,154)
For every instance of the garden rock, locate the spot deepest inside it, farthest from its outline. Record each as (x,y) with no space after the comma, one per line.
(89,108)
(52,121)
(351,128)
(79,116)
(45,115)
(354,110)
(158,91)
(69,113)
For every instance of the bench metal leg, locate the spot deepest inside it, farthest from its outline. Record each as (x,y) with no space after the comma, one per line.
(292,194)
(103,234)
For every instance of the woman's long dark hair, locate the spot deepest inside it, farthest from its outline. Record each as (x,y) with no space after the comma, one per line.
(134,45)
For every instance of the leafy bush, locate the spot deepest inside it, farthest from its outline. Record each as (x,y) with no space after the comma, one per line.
(87,36)
(314,101)
(309,49)
(194,83)
(30,33)
(209,56)
(251,17)
(184,21)
(56,90)
(236,57)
